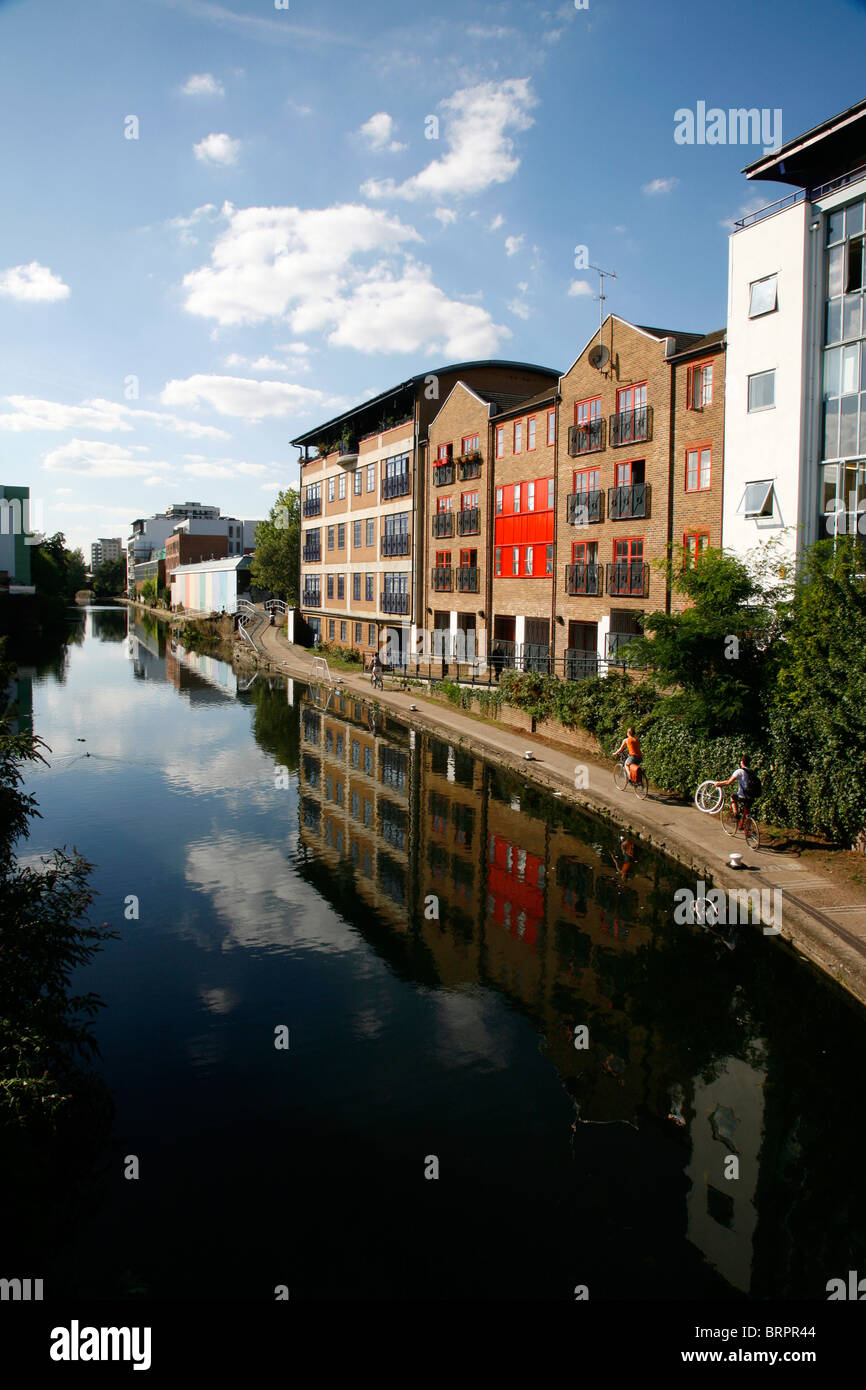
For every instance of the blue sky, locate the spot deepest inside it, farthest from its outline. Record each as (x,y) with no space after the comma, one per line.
(282,239)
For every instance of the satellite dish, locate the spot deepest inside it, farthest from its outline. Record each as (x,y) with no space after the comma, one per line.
(598,357)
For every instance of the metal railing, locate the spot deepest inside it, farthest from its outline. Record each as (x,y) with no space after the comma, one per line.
(440,578)
(579,665)
(616,642)
(628,578)
(311,598)
(395,486)
(443,524)
(469,521)
(586,438)
(394,603)
(627,502)
(312,506)
(312,553)
(443,474)
(584,508)
(584,577)
(467,579)
(396,544)
(631,426)
(469,468)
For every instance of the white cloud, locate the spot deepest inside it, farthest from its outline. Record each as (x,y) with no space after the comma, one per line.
(513,245)
(32,284)
(202,84)
(241,396)
(379,133)
(201,467)
(59,490)
(494,31)
(498,221)
(656,186)
(746,209)
(480,152)
(446,216)
(34,414)
(207,211)
(520,308)
(298,109)
(578,287)
(96,459)
(217,149)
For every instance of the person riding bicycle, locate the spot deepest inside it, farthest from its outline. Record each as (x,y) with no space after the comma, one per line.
(376,668)
(745,793)
(632,743)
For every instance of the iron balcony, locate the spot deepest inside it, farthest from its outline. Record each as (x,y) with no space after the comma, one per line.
(469,468)
(631,426)
(441,578)
(582,578)
(312,553)
(395,486)
(583,508)
(469,521)
(395,603)
(628,578)
(467,579)
(580,664)
(312,598)
(443,474)
(397,544)
(586,438)
(312,506)
(628,502)
(443,524)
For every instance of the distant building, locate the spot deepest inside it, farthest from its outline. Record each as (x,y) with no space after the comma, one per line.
(103,551)
(190,519)
(213,586)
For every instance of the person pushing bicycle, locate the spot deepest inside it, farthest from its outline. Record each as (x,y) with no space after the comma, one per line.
(747,790)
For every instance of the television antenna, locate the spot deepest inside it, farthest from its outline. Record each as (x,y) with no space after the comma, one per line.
(599,356)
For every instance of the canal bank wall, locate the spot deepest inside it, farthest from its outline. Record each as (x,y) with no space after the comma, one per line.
(823,922)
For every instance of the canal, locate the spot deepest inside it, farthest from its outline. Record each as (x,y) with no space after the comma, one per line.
(431,933)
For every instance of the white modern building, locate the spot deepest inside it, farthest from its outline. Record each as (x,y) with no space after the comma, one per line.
(104,550)
(795,412)
(150,534)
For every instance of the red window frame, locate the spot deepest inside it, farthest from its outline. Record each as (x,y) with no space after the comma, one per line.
(579,553)
(631,542)
(551,426)
(518,425)
(469,444)
(466,500)
(587,410)
(443,504)
(622,474)
(444,453)
(581,478)
(466,560)
(531,433)
(690,386)
(698,449)
(497,561)
(500,441)
(443,559)
(632,393)
(699,534)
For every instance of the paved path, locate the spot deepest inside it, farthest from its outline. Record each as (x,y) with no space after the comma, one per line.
(824,921)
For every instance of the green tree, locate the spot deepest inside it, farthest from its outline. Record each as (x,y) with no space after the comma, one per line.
(148,591)
(110,578)
(276,562)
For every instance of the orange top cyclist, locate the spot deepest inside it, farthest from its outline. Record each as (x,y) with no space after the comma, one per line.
(632,743)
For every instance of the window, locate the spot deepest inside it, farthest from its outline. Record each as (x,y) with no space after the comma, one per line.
(622,475)
(698,468)
(498,501)
(518,436)
(628,549)
(358,633)
(341,586)
(530,433)
(551,426)
(515,559)
(757,499)
(528,553)
(371,532)
(443,504)
(314,492)
(763,298)
(470,444)
(332,627)
(500,441)
(341,537)
(550,494)
(469,558)
(358,481)
(443,559)
(548,569)
(584,553)
(695,542)
(762,391)
(330,538)
(530,497)
(700,386)
(443,453)
(371,477)
(368,587)
(371,631)
(516,507)
(341,487)
(588,479)
(331,486)
(342,639)
(356,586)
(467,500)
(587,411)
(497,561)
(356,534)
(854,275)
(631,398)
(330,585)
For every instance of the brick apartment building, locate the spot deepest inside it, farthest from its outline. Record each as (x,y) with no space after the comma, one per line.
(181,548)
(363,513)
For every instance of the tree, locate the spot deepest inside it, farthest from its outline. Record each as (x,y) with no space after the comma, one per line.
(276,562)
(110,578)
(58,574)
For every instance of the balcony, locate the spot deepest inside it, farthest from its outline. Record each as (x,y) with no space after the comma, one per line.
(469,521)
(586,438)
(467,579)
(312,598)
(394,603)
(443,474)
(312,506)
(615,644)
(469,466)
(580,664)
(312,554)
(631,426)
(628,579)
(582,578)
(396,486)
(627,503)
(398,544)
(443,524)
(583,508)
(347,453)
(440,578)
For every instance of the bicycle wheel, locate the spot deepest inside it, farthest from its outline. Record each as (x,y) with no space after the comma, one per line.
(751,831)
(709,798)
(641,786)
(620,777)
(729,820)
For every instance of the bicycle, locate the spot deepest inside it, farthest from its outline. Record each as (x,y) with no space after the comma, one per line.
(376,680)
(736,817)
(622,777)
(709,798)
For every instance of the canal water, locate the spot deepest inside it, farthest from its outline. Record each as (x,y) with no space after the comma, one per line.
(433,932)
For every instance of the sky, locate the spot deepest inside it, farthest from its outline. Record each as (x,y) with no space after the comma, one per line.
(224,223)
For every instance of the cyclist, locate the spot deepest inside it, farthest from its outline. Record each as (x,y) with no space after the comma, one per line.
(632,743)
(376,669)
(744,777)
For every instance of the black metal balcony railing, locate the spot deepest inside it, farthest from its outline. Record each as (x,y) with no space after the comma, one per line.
(586,438)
(580,664)
(628,578)
(312,598)
(615,642)
(441,578)
(443,473)
(469,468)
(312,506)
(630,426)
(395,603)
(469,521)
(397,544)
(582,578)
(395,486)
(312,553)
(467,579)
(583,508)
(628,502)
(443,524)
